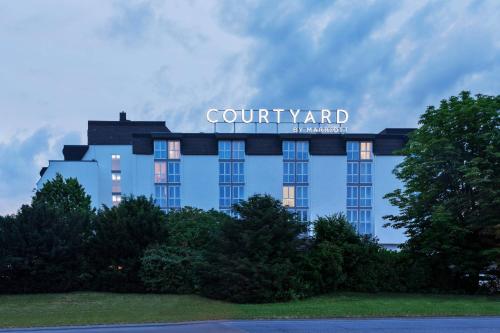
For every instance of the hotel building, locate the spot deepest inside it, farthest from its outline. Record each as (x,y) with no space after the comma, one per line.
(313,174)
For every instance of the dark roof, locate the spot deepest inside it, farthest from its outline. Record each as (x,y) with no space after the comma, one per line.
(397,131)
(120,132)
(74,152)
(387,142)
(42,171)
(140,134)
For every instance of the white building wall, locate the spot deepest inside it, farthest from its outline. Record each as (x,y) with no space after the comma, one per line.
(143,179)
(87,173)
(264,175)
(102,154)
(384,182)
(200,181)
(327,185)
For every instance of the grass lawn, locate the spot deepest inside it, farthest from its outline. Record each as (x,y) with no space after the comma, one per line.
(106,308)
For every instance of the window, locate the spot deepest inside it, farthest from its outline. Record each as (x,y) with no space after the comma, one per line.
(302,172)
(167,173)
(352,150)
(296,177)
(224,172)
(365,173)
(225,196)
(365,222)
(174,150)
(352,196)
(174,196)
(365,196)
(288,172)
(231,173)
(302,196)
(366,150)
(174,172)
(352,217)
(238,194)
(238,150)
(302,215)
(352,172)
(224,150)
(160,149)
(116,182)
(359,186)
(116,199)
(238,172)
(161,195)
(160,172)
(302,150)
(115,163)
(289,196)
(288,150)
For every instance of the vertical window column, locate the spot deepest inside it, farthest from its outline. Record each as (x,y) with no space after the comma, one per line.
(231,174)
(360,186)
(167,176)
(296,177)
(116,177)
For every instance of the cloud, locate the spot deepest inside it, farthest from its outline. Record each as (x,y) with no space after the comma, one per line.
(384,61)
(21,157)
(131,22)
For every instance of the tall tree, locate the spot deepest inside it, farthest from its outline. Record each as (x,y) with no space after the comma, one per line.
(451,197)
(121,234)
(42,247)
(255,257)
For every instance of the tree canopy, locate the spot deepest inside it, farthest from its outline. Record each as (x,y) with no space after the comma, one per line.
(451,197)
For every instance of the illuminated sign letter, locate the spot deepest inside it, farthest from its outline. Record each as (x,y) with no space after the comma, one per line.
(278,114)
(263,114)
(346,116)
(325,116)
(246,121)
(208,116)
(309,118)
(295,115)
(224,115)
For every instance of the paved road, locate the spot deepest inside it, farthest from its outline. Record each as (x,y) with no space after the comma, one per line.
(392,325)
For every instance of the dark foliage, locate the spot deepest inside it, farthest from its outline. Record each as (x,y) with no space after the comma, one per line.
(255,256)
(450,203)
(42,246)
(121,235)
(174,266)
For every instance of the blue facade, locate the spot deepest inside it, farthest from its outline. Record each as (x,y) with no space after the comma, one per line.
(313,175)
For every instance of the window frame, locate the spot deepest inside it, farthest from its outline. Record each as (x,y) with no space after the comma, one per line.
(174,150)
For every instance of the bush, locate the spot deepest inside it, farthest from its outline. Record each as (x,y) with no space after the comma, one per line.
(193,228)
(255,256)
(167,269)
(341,259)
(173,267)
(42,246)
(121,235)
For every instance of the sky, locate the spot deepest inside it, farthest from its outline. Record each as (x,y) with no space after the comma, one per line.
(63,63)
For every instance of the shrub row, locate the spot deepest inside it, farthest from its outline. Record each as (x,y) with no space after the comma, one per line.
(264,254)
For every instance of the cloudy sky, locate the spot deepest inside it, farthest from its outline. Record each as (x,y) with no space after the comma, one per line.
(65,62)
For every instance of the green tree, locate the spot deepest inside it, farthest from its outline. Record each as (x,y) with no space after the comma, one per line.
(169,269)
(42,247)
(255,256)
(342,259)
(193,228)
(173,267)
(121,234)
(449,204)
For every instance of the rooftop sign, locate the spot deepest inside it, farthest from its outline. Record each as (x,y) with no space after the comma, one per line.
(296,120)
